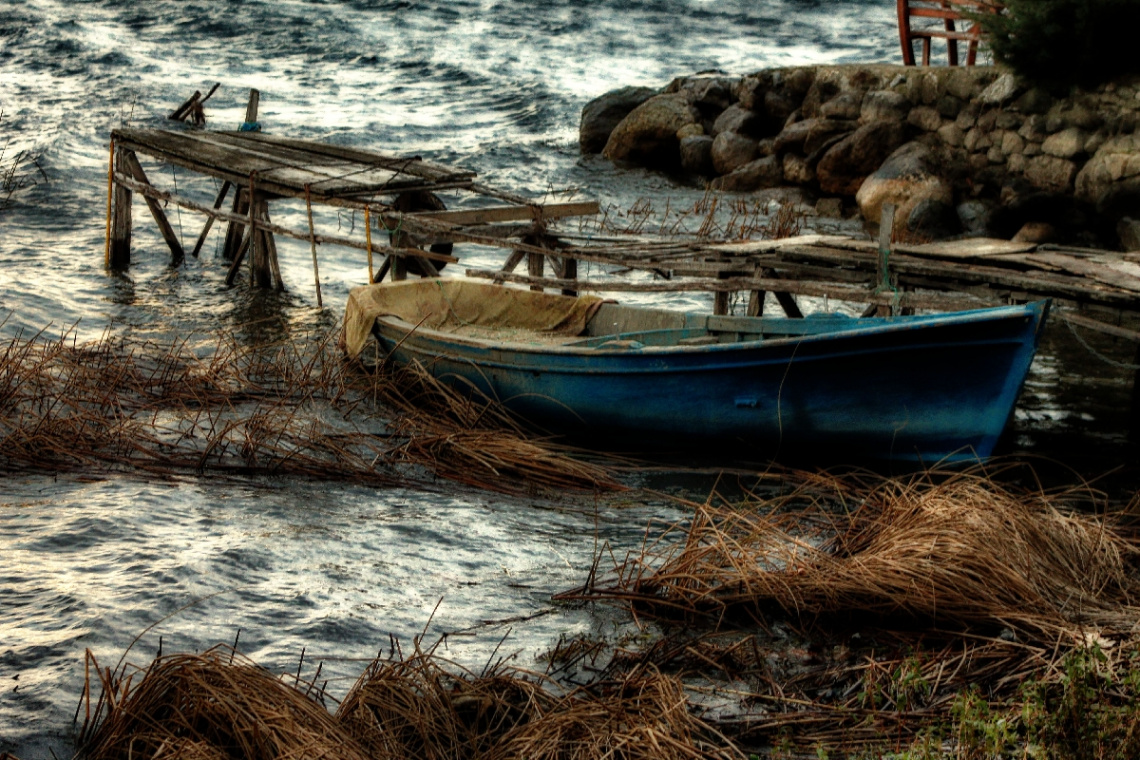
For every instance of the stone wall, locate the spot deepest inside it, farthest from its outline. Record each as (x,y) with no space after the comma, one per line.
(958,150)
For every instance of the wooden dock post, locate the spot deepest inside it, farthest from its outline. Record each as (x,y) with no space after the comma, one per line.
(235,231)
(886,229)
(535,266)
(134,169)
(120,252)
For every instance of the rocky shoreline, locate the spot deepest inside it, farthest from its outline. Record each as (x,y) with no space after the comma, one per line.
(959,151)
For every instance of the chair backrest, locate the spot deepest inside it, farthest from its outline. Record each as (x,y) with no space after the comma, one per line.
(924,20)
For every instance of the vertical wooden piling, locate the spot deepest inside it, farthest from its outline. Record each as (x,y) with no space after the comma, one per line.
(569,272)
(535,267)
(235,230)
(721,297)
(119,257)
(260,275)
(886,229)
(134,169)
(313,245)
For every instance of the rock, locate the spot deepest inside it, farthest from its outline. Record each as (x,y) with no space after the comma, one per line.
(961,84)
(925,118)
(825,134)
(648,135)
(1128,230)
(1033,129)
(977,140)
(883,105)
(974,217)
(749,93)
(709,94)
(930,88)
(1051,173)
(1036,100)
(795,137)
(932,218)
(1110,180)
(968,118)
(602,114)
(1008,120)
(735,119)
(1035,232)
(690,130)
(1011,143)
(1065,144)
(1017,163)
(831,208)
(994,155)
(730,151)
(797,170)
(1001,90)
(696,155)
(778,106)
(906,178)
(1096,139)
(952,135)
(845,165)
(761,173)
(846,105)
(949,107)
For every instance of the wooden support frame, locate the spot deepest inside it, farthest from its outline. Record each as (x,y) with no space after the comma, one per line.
(134,168)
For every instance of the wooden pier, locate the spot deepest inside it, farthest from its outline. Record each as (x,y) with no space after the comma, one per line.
(1096,290)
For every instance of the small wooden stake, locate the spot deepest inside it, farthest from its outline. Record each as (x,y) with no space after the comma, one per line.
(313,245)
(210,220)
(367,239)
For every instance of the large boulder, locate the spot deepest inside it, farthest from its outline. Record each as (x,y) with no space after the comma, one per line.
(602,114)
(846,164)
(648,135)
(761,173)
(910,180)
(1111,178)
(735,119)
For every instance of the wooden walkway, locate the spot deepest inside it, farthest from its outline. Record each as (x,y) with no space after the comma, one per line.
(1095,289)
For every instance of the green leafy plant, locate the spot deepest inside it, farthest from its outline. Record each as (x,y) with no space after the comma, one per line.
(1064,42)
(1089,713)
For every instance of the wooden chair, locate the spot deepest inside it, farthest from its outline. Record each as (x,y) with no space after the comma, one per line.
(919,20)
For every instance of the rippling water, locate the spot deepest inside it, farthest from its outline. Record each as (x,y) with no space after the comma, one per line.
(492,86)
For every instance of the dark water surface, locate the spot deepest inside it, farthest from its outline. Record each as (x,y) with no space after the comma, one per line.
(493,86)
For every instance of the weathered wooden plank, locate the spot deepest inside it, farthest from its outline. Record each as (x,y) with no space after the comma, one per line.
(536,212)
(154,192)
(765,246)
(967,248)
(835,291)
(1090,268)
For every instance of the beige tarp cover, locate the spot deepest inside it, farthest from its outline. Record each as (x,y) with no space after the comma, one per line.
(469,307)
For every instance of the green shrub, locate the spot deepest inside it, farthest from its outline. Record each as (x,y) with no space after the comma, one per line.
(1066,42)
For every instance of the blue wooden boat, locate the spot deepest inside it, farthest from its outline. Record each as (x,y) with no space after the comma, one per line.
(827,388)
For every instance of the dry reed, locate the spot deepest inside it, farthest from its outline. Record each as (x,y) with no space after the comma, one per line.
(958,550)
(208,707)
(288,409)
(218,705)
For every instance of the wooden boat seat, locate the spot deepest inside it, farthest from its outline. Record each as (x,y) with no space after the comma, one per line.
(926,20)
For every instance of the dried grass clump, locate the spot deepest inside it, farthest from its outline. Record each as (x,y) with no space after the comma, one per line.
(643,716)
(207,707)
(958,550)
(293,408)
(416,708)
(219,705)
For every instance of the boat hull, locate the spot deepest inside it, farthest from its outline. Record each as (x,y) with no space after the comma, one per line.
(923,389)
